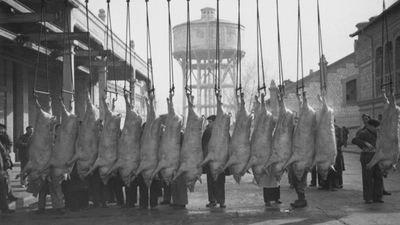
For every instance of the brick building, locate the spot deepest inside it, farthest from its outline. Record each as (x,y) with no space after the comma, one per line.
(370,53)
(342,77)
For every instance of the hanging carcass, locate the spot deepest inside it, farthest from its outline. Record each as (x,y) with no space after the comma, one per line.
(303,146)
(108,141)
(191,155)
(41,144)
(88,139)
(261,138)
(64,147)
(149,143)
(170,145)
(325,139)
(281,141)
(218,145)
(387,144)
(239,145)
(129,145)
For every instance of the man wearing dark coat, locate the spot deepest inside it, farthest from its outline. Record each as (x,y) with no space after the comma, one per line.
(371,178)
(216,188)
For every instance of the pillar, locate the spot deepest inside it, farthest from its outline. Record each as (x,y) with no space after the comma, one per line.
(68,78)
(9,102)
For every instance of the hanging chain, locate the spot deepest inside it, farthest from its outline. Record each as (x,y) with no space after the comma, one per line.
(170,57)
(260,57)
(128,37)
(386,54)
(217,58)
(89,48)
(281,79)
(322,60)
(149,57)
(42,24)
(188,77)
(239,56)
(109,28)
(300,63)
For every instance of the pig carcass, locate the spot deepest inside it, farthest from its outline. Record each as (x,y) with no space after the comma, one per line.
(149,143)
(170,145)
(218,145)
(191,155)
(108,142)
(41,144)
(261,139)
(239,145)
(64,147)
(303,139)
(87,147)
(387,143)
(281,142)
(325,139)
(129,145)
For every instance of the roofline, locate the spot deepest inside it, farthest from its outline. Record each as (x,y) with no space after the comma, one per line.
(376,18)
(316,73)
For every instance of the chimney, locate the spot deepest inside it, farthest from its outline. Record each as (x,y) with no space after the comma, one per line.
(102,15)
(311,71)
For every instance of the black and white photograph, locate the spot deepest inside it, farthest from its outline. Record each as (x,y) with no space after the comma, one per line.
(199,112)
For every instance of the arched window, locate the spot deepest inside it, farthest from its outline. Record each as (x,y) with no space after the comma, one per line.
(397,64)
(378,70)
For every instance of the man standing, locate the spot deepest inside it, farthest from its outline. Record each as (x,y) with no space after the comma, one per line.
(216,188)
(3,185)
(22,146)
(8,164)
(371,178)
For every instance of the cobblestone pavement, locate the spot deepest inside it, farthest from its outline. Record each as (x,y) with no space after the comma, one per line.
(245,206)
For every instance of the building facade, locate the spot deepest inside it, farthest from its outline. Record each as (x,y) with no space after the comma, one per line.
(59,66)
(378,59)
(342,92)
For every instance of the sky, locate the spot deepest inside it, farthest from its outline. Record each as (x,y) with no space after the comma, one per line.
(338,20)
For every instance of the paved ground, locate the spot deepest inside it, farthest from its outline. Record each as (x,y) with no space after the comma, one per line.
(245,206)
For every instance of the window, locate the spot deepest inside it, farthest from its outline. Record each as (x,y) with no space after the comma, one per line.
(397,65)
(388,75)
(378,70)
(383,68)
(351,92)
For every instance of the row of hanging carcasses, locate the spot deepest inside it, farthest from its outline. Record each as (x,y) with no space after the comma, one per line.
(153,150)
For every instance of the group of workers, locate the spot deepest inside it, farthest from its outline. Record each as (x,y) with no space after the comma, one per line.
(74,193)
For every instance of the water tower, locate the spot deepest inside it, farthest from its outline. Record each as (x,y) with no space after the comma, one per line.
(203,41)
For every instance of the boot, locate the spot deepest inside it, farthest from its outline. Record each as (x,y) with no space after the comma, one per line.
(299,204)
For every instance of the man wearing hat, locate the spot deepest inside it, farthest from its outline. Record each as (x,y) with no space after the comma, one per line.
(372,178)
(216,188)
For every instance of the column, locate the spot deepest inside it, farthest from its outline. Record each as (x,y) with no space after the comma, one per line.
(10,102)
